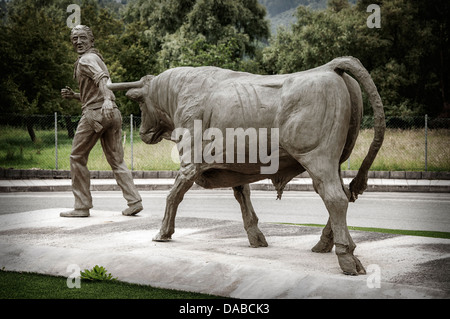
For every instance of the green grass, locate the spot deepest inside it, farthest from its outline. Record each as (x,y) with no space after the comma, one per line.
(18,151)
(402,150)
(423,233)
(20,285)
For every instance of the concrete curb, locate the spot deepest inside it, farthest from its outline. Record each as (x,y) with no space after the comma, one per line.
(37,180)
(11,174)
(297,184)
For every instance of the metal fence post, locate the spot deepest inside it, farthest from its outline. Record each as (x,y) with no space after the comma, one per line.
(56,140)
(131,139)
(426,142)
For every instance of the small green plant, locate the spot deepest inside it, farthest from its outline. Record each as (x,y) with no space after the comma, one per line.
(97,273)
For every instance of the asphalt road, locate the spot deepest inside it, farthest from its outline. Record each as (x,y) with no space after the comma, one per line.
(411,211)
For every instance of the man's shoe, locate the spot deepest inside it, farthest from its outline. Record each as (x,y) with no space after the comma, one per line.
(133,209)
(76,213)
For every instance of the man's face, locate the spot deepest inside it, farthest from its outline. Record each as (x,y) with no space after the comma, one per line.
(81,41)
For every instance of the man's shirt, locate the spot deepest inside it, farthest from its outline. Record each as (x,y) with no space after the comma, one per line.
(89,71)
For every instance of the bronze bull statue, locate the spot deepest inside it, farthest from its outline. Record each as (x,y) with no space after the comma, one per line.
(314,116)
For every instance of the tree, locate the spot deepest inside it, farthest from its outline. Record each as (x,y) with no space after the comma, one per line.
(195,50)
(34,63)
(338,5)
(243,20)
(434,18)
(166,34)
(158,17)
(317,37)
(219,33)
(407,57)
(409,68)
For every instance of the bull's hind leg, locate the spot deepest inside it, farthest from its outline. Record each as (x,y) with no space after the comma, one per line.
(328,184)
(255,236)
(326,242)
(183,182)
(330,189)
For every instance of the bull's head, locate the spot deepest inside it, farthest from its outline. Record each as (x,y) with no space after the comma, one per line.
(154,125)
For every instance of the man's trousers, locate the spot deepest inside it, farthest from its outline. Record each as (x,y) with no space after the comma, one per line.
(92,127)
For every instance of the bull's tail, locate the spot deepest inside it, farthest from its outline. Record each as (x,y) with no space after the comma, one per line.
(355,67)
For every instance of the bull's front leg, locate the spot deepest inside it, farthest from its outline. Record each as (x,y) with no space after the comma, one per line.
(183,182)
(255,236)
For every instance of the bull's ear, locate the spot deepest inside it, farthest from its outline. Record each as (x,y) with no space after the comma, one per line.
(147,79)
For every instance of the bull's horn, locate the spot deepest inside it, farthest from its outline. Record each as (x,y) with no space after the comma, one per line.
(124,85)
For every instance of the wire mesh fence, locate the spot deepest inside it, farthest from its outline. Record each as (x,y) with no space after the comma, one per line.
(410,144)
(45,141)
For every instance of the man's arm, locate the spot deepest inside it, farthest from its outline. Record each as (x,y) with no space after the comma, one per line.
(68,93)
(108,95)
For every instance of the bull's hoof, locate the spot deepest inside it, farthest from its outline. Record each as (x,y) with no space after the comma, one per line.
(323,246)
(349,264)
(256,238)
(162,238)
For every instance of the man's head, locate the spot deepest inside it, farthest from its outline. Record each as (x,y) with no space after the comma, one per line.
(82,38)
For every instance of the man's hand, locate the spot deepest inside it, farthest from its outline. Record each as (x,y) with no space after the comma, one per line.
(108,108)
(68,93)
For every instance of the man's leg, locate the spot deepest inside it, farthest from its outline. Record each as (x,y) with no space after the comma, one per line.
(112,147)
(83,142)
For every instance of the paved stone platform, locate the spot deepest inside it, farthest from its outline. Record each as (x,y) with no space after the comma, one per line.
(213,256)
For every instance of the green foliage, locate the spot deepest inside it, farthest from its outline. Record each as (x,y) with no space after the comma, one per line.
(229,19)
(275,7)
(204,32)
(33,54)
(97,273)
(183,51)
(407,57)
